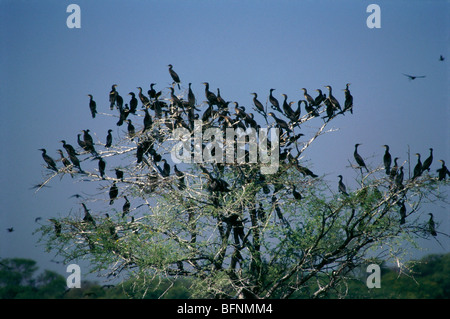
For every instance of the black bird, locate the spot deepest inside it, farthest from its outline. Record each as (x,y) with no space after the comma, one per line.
(165,172)
(358,158)
(348,103)
(69,148)
(342,187)
(210,96)
(443,171)
(399,178)
(101,167)
(119,101)
(427,163)
(332,99)
(109,139)
(180,175)
(220,101)
(92,106)
(119,174)
(319,98)
(174,75)
(10,229)
(418,167)
(133,103)
(126,207)
(64,160)
(89,141)
(394,169)
(387,160)
(287,108)
(175,100)
(87,216)
(431,225)
(152,92)
(308,97)
(112,96)
(57,226)
(82,143)
(113,192)
(148,122)
(144,100)
(50,162)
(441,58)
(191,97)
(274,102)
(258,104)
(296,194)
(131,129)
(402,213)
(280,123)
(413,77)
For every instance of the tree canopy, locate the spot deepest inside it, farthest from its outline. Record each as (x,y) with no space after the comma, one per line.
(225,197)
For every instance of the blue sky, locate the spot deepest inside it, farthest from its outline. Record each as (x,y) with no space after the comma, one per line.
(241,47)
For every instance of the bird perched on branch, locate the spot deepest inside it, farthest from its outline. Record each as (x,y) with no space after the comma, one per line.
(113,192)
(443,171)
(92,106)
(359,159)
(50,162)
(427,163)
(418,167)
(112,96)
(387,159)
(274,102)
(341,186)
(174,75)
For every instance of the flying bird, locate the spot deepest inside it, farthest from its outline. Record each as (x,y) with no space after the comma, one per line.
(413,77)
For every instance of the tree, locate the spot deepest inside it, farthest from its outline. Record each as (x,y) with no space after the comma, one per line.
(236,227)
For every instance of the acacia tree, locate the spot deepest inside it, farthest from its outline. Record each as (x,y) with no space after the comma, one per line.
(233,230)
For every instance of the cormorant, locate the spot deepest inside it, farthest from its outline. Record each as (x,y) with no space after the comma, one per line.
(147,121)
(274,102)
(174,75)
(258,104)
(348,104)
(394,169)
(418,167)
(296,194)
(180,175)
(191,97)
(175,100)
(56,226)
(332,99)
(113,192)
(119,174)
(387,160)
(89,141)
(287,109)
(50,162)
(131,129)
(109,139)
(427,163)
(402,213)
(119,101)
(144,100)
(320,98)
(431,225)
(441,58)
(280,123)
(82,143)
(101,167)
(443,171)
(10,229)
(210,96)
(413,77)
(358,158)
(341,186)
(112,96)
(126,207)
(308,97)
(165,172)
(220,101)
(69,148)
(92,106)
(64,160)
(399,178)
(133,103)
(87,216)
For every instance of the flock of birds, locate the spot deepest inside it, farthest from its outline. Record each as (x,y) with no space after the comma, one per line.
(170,111)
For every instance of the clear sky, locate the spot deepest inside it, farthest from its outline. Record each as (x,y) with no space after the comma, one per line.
(47,69)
